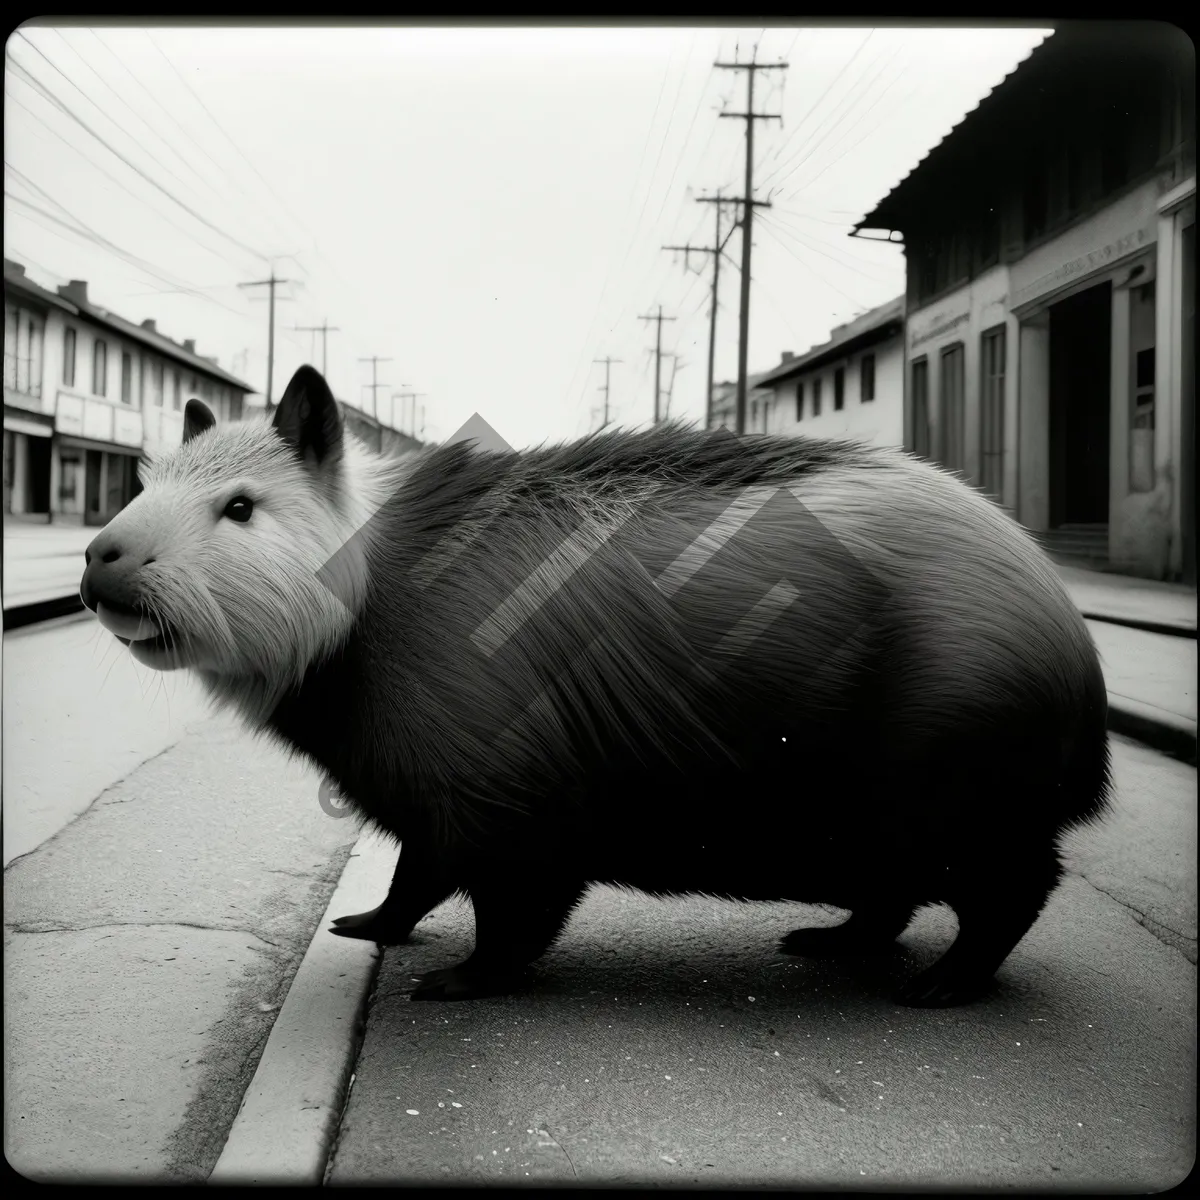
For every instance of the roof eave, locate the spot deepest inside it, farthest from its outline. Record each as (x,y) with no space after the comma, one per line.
(891,328)
(36,292)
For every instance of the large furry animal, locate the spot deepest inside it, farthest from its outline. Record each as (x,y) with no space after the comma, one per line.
(763,668)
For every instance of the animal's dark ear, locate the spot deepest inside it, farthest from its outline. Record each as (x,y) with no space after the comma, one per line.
(196,419)
(308,417)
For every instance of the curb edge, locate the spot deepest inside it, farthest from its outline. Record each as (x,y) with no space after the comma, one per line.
(1175,739)
(290,1116)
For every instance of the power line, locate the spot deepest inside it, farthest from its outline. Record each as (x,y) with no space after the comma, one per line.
(804,186)
(89,98)
(809,268)
(802,239)
(49,95)
(222,172)
(820,99)
(299,224)
(191,234)
(87,234)
(608,274)
(816,144)
(324,329)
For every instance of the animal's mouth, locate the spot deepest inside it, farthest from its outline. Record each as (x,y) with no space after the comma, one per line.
(151,642)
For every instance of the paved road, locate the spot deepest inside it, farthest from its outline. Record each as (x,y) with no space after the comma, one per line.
(79,714)
(665,1042)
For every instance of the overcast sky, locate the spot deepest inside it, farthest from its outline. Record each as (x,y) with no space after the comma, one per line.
(485,208)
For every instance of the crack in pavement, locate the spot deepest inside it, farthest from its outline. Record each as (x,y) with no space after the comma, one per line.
(38,927)
(545,1132)
(1150,924)
(102,799)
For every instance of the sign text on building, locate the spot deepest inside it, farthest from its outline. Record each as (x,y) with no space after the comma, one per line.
(1083,265)
(940,327)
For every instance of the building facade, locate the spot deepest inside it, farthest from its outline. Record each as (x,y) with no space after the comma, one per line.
(758,403)
(850,386)
(86,394)
(1050,244)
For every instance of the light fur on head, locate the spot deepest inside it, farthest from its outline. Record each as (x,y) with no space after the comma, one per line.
(243,602)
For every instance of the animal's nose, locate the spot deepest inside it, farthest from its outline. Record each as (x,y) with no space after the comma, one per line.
(110,567)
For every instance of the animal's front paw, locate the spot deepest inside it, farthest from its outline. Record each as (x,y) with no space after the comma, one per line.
(461,983)
(934,988)
(373,926)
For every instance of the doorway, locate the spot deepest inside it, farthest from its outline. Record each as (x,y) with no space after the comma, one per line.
(1080,407)
(39,476)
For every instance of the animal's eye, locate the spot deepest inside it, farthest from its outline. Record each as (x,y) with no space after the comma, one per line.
(239,508)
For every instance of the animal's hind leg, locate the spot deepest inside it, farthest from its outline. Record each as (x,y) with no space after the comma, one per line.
(996,908)
(515,923)
(417,889)
(869,928)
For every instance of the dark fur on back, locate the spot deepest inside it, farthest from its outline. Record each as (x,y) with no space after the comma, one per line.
(615,727)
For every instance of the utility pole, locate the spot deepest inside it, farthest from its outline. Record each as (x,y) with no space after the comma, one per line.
(324,330)
(677,365)
(657,357)
(271,283)
(607,365)
(748,204)
(374,385)
(394,397)
(413,397)
(715,250)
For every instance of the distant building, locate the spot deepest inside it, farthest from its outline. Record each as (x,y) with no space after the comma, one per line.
(85,393)
(375,434)
(1050,242)
(724,405)
(850,386)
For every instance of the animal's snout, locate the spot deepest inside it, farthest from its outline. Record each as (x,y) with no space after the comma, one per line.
(110,572)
